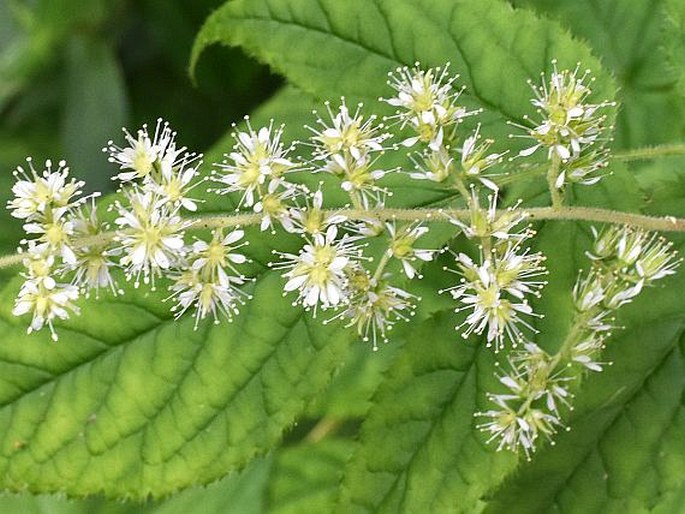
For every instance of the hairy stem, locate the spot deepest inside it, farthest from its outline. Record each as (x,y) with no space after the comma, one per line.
(590,214)
(650,152)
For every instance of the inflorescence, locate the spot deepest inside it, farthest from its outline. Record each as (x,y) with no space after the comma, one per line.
(339,273)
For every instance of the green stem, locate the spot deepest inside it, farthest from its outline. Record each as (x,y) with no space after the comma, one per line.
(381,265)
(552,175)
(650,152)
(356,200)
(463,191)
(572,338)
(589,214)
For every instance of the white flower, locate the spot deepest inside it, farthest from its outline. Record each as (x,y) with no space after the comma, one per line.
(56,234)
(150,236)
(211,281)
(375,306)
(317,273)
(402,247)
(358,177)
(426,102)
(256,157)
(529,408)
(640,256)
(491,223)
(39,264)
(516,270)
(145,156)
(35,196)
(475,159)
(176,182)
(45,300)
(569,126)
(493,292)
(584,353)
(207,296)
(347,134)
(657,259)
(217,259)
(274,207)
(311,218)
(588,292)
(435,165)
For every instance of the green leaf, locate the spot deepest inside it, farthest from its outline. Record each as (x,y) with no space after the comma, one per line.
(630,38)
(131,403)
(418,451)
(239,493)
(305,478)
(332,50)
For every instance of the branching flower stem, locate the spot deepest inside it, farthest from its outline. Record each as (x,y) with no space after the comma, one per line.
(590,214)
(573,337)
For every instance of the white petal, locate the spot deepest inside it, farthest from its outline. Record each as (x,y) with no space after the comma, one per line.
(295,282)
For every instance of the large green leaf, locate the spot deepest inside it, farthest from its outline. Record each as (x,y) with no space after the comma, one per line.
(239,493)
(347,48)
(132,403)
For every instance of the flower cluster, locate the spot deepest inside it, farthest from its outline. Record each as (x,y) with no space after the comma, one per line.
(330,272)
(347,146)
(529,409)
(352,262)
(625,260)
(48,202)
(570,129)
(428,103)
(210,280)
(494,289)
(257,169)
(71,253)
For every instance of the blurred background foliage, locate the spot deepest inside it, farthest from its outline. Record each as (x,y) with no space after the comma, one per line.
(73,72)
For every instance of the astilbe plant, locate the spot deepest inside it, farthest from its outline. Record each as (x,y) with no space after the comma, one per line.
(354,261)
